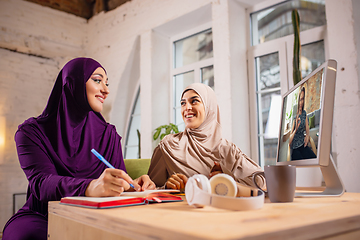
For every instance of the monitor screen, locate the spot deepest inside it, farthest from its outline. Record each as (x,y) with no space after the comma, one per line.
(306,119)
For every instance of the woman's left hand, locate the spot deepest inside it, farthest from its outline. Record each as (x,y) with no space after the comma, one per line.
(145,183)
(216,169)
(306,140)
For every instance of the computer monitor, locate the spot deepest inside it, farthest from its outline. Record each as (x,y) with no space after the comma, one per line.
(306,127)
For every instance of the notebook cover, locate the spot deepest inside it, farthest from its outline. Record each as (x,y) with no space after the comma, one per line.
(121,201)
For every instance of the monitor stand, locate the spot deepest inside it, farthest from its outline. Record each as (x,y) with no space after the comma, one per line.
(334,186)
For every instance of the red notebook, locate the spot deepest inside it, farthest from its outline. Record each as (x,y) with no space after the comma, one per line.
(126,199)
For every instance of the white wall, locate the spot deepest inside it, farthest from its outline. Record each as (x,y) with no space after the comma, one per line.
(343,34)
(222,59)
(35,42)
(240,111)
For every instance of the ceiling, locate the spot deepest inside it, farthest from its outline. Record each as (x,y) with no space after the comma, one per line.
(82,8)
(88,8)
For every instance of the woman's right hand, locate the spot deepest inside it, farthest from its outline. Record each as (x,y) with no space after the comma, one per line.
(111,183)
(216,169)
(176,181)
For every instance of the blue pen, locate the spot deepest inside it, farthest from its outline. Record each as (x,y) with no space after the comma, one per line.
(101,158)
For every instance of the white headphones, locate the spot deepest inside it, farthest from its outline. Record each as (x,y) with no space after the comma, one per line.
(220,192)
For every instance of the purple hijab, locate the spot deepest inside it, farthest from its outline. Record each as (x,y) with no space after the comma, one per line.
(54,148)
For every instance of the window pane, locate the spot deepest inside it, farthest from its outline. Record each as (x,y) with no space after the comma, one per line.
(207,76)
(181,81)
(178,117)
(270,149)
(181,126)
(134,126)
(132,152)
(268,73)
(270,123)
(268,94)
(132,139)
(312,56)
(275,22)
(137,107)
(271,106)
(193,48)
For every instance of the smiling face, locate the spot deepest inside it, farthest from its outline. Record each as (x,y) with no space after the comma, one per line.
(192,109)
(97,89)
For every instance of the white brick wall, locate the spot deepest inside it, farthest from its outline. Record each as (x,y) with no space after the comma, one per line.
(25,84)
(31,28)
(26,80)
(343,20)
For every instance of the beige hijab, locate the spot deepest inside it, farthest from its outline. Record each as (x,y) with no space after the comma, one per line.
(194,151)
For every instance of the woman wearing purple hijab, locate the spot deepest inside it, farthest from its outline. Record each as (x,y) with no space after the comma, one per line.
(54,149)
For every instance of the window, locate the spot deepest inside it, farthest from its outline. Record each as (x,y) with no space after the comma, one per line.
(192,62)
(207,76)
(270,65)
(132,146)
(312,56)
(275,21)
(193,49)
(268,104)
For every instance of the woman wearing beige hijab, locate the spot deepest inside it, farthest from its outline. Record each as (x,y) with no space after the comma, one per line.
(200,148)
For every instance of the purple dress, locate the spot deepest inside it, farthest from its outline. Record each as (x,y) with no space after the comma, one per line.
(54,150)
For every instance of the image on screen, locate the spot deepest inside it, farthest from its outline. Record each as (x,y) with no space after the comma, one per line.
(300,120)
(306,128)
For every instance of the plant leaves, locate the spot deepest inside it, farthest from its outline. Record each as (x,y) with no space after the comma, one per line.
(162,136)
(168,130)
(139,142)
(157,133)
(138,133)
(175,128)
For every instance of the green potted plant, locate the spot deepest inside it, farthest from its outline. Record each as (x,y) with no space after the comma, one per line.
(170,128)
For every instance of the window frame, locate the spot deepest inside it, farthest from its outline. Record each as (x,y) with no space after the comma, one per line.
(129,122)
(284,46)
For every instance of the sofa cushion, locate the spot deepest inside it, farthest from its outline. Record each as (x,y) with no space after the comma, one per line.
(317,117)
(312,121)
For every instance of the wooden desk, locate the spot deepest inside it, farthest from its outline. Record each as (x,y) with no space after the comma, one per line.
(305,218)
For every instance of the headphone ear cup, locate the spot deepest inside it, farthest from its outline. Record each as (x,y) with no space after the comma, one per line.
(223,194)
(224,185)
(203,182)
(197,190)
